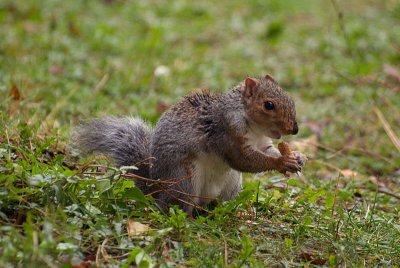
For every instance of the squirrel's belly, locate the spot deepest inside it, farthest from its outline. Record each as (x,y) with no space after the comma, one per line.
(213,178)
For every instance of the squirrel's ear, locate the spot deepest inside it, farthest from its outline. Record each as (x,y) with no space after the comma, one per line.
(269,77)
(249,85)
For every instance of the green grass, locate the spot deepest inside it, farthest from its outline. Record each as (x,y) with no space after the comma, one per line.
(72,60)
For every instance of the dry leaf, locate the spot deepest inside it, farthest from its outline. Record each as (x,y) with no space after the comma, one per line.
(30,27)
(165,252)
(392,72)
(56,70)
(280,184)
(310,257)
(396,173)
(15,93)
(162,107)
(349,173)
(89,261)
(73,30)
(350,205)
(136,228)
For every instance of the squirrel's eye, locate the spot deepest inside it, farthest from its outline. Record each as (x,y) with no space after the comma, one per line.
(269,105)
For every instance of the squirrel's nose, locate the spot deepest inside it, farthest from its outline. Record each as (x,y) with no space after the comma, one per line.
(295,128)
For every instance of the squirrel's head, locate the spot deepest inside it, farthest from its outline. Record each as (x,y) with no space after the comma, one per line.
(268,107)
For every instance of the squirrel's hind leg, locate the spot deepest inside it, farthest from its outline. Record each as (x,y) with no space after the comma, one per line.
(176,188)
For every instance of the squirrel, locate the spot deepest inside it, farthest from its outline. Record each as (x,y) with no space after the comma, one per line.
(200,146)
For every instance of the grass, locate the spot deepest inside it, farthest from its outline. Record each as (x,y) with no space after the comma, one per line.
(65,61)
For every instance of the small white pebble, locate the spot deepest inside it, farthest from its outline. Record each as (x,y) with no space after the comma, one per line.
(161,71)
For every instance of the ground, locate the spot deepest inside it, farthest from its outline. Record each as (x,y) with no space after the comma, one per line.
(65,61)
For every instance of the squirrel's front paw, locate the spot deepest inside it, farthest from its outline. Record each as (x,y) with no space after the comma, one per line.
(301,158)
(288,164)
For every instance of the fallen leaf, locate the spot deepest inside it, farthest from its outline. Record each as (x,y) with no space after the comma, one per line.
(280,184)
(392,72)
(350,205)
(348,173)
(136,228)
(15,93)
(56,70)
(30,27)
(162,107)
(310,257)
(165,252)
(73,30)
(86,263)
(90,258)
(396,173)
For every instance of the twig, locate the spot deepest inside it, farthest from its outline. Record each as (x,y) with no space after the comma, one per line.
(225,252)
(126,175)
(30,144)
(181,192)
(195,196)
(131,175)
(342,151)
(93,173)
(389,193)
(166,188)
(336,191)
(174,181)
(376,155)
(101,84)
(187,203)
(382,192)
(8,143)
(334,205)
(98,257)
(145,161)
(103,251)
(121,256)
(388,129)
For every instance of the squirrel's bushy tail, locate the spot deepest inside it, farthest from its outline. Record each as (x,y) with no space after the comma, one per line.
(126,140)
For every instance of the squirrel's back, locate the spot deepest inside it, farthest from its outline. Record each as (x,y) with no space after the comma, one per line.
(186,125)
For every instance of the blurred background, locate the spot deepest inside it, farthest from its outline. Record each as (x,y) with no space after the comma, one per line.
(62,62)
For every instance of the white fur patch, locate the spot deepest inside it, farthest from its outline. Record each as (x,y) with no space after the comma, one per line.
(257,139)
(214,178)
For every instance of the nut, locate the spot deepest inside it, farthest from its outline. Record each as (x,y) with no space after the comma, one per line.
(284,149)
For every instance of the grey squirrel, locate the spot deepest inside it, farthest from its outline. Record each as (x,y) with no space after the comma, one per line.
(199,147)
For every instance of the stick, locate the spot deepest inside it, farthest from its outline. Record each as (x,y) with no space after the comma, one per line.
(388,129)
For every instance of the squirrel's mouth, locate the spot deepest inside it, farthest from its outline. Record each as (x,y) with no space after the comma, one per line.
(275,134)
